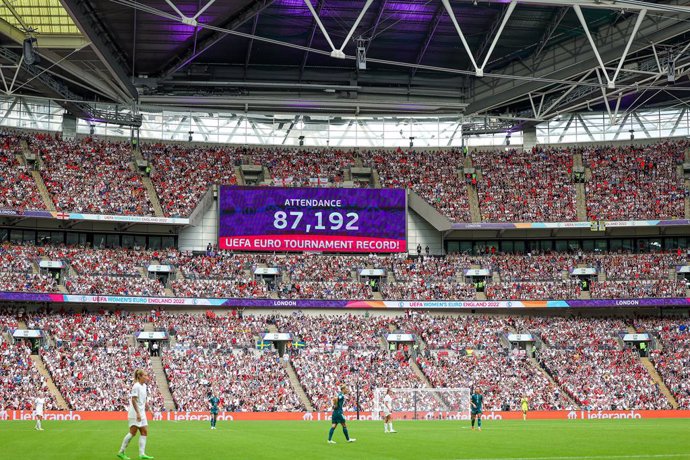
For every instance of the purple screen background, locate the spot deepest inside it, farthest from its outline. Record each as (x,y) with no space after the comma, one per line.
(247,211)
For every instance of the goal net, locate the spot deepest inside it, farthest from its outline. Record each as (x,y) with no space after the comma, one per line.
(424,403)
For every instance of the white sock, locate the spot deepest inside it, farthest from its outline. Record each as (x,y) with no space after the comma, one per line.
(142,445)
(385,427)
(390,426)
(125,442)
(38,422)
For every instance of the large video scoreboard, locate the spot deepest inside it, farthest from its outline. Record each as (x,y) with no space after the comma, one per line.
(312,219)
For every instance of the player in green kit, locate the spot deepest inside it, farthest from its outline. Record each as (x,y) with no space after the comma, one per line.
(476,401)
(213,401)
(338,417)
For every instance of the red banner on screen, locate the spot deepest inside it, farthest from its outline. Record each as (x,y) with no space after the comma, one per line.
(325,243)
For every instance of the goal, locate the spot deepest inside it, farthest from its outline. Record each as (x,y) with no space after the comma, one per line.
(425,403)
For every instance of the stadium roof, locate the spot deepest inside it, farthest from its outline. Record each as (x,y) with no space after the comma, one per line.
(536,56)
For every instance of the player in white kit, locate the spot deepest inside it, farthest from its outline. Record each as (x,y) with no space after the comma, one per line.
(136,415)
(388,413)
(39,402)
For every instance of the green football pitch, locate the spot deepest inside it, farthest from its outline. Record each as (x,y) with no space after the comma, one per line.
(531,440)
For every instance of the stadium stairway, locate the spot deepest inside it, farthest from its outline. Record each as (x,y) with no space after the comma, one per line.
(240,176)
(659,381)
(41,367)
(580,189)
(153,196)
(162,382)
(548,376)
(376,179)
(427,383)
(294,380)
(687,200)
(43,191)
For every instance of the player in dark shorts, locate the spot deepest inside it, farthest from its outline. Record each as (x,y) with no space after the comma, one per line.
(213,401)
(476,401)
(338,417)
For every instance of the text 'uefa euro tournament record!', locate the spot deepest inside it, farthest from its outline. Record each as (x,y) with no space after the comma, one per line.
(312,219)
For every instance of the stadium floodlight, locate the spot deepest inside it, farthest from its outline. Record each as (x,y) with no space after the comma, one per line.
(425,403)
(361,54)
(31,56)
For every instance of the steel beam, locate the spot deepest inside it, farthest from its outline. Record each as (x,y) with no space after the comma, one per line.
(232,23)
(433,25)
(558,65)
(86,18)
(312,33)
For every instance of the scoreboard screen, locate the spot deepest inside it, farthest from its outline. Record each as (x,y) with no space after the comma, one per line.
(312,219)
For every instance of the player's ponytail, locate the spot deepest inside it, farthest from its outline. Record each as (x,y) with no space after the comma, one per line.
(137,374)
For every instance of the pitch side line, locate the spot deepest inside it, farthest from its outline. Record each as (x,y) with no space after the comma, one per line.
(586,457)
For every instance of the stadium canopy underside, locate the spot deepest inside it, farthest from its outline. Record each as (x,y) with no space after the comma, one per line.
(518,63)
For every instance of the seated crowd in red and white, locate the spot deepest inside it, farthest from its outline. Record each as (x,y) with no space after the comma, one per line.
(18,190)
(672,359)
(92,360)
(435,176)
(90,357)
(534,186)
(635,182)
(91,176)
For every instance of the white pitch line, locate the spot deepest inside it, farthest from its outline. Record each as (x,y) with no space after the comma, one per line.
(586,457)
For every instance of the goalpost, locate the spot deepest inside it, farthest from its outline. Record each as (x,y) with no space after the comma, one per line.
(425,403)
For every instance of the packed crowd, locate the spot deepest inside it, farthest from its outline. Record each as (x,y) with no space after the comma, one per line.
(672,358)
(27,282)
(245,287)
(654,266)
(325,290)
(91,176)
(114,285)
(603,379)
(566,289)
(183,174)
(304,167)
(572,333)
(638,289)
(92,358)
(435,176)
(429,290)
(503,380)
(534,186)
(18,189)
(321,371)
(243,380)
(635,182)
(218,333)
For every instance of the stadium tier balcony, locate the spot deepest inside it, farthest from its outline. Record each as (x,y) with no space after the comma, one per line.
(603,379)
(91,176)
(671,357)
(92,361)
(635,182)
(503,380)
(182,174)
(244,380)
(534,186)
(18,189)
(433,175)
(320,372)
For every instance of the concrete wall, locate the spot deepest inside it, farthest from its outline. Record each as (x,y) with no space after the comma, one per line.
(197,238)
(421,232)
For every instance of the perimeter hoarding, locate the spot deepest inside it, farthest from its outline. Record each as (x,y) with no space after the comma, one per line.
(312,219)
(176,416)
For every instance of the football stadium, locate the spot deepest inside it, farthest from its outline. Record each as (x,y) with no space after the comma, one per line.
(352,229)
